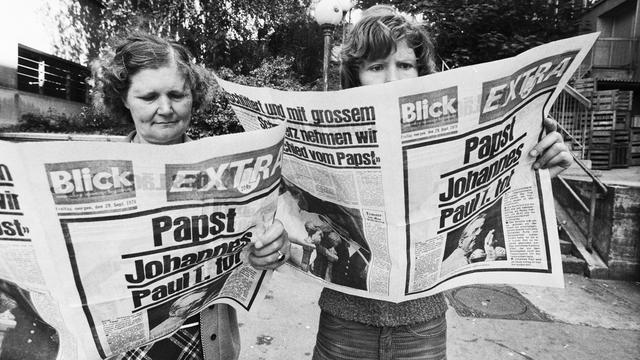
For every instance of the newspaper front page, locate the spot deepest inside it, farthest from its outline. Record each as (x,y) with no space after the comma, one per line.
(108,246)
(406,189)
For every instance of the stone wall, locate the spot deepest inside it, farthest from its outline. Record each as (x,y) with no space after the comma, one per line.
(15,103)
(617,224)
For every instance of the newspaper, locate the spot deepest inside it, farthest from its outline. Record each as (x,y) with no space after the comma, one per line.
(394,192)
(108,246)
(406,189)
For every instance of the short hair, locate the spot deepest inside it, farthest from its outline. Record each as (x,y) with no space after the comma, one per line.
(375,36)
(140,51)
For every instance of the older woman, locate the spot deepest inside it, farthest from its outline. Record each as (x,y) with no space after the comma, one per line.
(153,83)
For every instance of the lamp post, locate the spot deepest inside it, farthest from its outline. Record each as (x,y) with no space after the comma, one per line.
(328,14)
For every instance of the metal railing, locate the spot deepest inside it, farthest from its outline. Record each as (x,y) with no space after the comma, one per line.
(598,190)
(45,74)
(572,111)
(28,137)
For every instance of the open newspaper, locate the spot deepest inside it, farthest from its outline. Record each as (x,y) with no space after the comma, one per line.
(393,192)
(107,246)
(406,189)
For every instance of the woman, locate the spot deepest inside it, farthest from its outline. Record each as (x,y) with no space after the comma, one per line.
(154,84)
(384,46)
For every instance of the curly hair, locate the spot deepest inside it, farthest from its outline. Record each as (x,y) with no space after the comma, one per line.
(375,36)
(140,51)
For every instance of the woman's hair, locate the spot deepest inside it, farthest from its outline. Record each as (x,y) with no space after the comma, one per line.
(376,35)
(133,53)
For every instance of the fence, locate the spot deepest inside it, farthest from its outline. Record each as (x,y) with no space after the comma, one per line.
(49,75)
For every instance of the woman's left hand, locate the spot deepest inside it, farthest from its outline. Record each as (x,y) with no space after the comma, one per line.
(271,249)
(551,152)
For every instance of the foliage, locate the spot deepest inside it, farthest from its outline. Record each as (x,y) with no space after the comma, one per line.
(273,72)
(218,117)
(88,121)
(213,30)
(473,31)
(302,41)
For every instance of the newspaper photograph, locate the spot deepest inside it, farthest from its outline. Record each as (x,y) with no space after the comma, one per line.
(405,189)
(110,246)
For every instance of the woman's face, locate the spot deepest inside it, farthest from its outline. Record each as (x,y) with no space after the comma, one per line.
(399,65)
(160,104)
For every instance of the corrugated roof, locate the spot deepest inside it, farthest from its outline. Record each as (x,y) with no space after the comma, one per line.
(618,81)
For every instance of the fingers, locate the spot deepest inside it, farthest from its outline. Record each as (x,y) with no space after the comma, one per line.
(488,240)
(548,141)
(552,154)
(271,249)
(266,236)
(550,125)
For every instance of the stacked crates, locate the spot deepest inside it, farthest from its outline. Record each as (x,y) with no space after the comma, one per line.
(609,144)
(635,141)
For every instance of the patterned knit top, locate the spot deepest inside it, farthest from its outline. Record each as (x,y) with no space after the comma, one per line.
(381,313)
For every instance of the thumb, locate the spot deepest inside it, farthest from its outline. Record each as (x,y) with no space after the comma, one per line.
(550,125)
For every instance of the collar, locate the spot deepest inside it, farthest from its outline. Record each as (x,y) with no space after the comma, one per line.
(132,136)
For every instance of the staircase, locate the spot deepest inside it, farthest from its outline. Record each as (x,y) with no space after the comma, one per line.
(574,111)
(576,258)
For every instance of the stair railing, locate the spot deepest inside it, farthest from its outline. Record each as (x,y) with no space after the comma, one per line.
(598,190)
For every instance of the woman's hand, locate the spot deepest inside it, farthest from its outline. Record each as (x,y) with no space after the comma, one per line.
(551,152)
(271,248)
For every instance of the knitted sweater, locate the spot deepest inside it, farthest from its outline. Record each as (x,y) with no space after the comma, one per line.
(381,313)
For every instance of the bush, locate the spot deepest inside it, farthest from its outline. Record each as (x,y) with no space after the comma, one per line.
(88,121)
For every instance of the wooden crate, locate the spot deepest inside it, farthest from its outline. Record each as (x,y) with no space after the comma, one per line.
(607,100)
(610,149)
(584,85)
(611,120)
(620,155)
(624,100)
(623,120)
(634,156)
(603,120)
(600,156)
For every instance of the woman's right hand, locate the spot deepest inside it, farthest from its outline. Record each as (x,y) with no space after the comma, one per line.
(271,249)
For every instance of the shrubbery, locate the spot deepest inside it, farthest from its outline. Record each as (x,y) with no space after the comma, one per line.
(88,121)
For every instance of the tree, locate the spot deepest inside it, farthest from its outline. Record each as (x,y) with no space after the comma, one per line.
(217,32)
(473,31)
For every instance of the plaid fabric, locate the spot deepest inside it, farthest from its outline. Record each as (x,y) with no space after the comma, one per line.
(183,345)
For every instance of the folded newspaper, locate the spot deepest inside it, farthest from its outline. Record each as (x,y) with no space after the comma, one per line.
(394,192)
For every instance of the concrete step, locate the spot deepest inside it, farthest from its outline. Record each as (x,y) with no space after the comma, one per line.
(573,265)
(566,247)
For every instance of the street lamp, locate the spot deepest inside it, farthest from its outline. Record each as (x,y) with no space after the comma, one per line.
(328,14)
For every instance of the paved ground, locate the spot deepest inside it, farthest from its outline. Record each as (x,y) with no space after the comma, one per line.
(588,319)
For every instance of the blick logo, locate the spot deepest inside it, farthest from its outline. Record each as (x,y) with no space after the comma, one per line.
(429,110)
(83,181)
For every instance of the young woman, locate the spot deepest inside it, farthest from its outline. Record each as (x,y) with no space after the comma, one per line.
(153,83)
(384,46)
